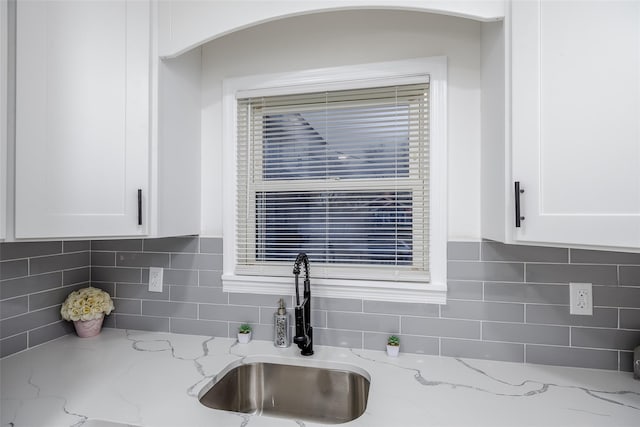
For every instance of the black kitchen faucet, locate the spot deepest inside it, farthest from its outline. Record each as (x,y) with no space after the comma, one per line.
(304,331)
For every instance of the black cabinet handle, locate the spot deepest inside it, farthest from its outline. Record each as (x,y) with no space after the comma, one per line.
(518,191)
(139,207)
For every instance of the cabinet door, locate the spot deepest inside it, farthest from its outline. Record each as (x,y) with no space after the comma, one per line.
(576,121)
(82,117)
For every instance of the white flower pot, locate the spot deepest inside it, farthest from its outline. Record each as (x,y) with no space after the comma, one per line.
(393,350)
(244,338)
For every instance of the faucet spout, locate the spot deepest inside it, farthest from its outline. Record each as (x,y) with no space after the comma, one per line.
(304,331)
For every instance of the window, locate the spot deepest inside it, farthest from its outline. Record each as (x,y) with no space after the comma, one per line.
(343,174)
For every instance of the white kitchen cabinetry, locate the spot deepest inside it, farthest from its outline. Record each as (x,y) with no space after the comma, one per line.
(575,124)
(82,118)
(89,143)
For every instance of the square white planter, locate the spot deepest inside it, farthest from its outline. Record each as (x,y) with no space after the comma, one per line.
(393,350)
(244,338)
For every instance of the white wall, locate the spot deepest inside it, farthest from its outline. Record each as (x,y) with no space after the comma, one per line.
(343,38)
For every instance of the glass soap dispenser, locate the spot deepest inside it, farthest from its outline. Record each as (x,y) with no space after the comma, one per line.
(281,326)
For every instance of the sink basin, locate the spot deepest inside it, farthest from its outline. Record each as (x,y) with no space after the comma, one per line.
(331,395)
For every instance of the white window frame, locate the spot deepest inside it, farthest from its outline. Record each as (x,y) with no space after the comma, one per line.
(339,78)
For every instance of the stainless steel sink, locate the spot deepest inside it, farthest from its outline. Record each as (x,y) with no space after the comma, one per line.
(328,395)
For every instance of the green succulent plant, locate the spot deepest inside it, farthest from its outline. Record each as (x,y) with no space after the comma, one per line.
(393,340)
(245,328)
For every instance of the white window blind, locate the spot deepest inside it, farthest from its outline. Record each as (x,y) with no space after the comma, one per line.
(340,175)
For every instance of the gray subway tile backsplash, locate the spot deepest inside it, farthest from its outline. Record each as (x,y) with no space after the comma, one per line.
(336,304)
(493,271)
(479,310)
(463,251)
(504,302)
(565,273)
(625,361)
(128,306)
(475,349)
(629,318)
(52,297)
(469,290)
(76,245)
(209,245)
(25,322)
(14,344)
(13,269)
(110,321)
(116,274)
(210,278)
(234,313)
(364,322)
(526,293)
(198,294)
(171,244)
(49,332)
(103,259)
(584,256)
(196,261)
(170,309)
(616,296)
(338,338)
(200,327)
(494,251)
(259,332)
(109,288)
(30,284)
(16,250)
(614,339)
(568,356)
(408,309)
(629,275)
(260,300)
(14,306)
(318,318)
(140,291)
(559,315)
(180,277)
(409,343)
(146,259)
(143,323)
(433,327)
(76,275)
(525,333)
(415,344)
(131,245)
(50,263)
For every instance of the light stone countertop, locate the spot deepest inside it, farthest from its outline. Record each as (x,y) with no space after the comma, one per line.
(153,379)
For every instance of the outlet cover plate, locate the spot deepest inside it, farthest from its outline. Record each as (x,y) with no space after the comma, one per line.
(155,279)
(581,299)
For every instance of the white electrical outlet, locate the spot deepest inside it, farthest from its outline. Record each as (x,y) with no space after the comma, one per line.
(581,298)
(155,279)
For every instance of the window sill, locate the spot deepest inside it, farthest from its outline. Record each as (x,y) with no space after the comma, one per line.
(433,293)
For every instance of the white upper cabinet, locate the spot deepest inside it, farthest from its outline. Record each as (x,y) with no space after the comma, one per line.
(575,89)
(107,135)
(82,118)
(184,24)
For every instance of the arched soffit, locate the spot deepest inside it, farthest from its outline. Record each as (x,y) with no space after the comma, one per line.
(184,25)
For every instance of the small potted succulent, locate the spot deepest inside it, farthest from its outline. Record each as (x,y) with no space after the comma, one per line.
(244,333)
(393,346)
